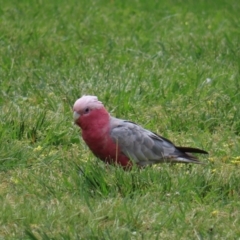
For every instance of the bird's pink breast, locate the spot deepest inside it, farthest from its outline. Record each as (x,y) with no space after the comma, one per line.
(105,149)
(96,134)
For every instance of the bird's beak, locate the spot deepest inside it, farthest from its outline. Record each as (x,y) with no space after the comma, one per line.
(75,116)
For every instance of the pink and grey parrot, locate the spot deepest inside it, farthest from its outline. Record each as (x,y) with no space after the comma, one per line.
(123,142)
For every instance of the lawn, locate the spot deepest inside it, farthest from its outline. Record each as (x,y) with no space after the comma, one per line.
(171,66)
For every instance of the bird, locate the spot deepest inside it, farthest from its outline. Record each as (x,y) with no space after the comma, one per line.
(125,143)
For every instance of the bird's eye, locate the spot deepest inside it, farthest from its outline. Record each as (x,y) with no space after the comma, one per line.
(86,110)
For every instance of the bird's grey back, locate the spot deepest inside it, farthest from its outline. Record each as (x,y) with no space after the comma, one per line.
(143,146)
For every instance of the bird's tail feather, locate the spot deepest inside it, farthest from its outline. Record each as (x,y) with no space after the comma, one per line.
(189,159)
(186,156)
(191,150)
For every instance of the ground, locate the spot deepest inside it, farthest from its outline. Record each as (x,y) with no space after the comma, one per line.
(171,66)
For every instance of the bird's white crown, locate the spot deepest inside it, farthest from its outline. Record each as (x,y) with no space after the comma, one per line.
(87,101)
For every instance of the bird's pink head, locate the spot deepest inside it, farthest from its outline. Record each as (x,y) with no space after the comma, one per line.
(87,109)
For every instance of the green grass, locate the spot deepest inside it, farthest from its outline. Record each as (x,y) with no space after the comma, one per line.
(171,66)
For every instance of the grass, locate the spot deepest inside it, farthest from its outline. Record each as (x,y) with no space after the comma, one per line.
(171,66)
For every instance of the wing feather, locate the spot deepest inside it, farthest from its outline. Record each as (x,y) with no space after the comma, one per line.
(145,147)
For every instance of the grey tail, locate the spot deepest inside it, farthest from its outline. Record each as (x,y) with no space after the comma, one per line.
(186,155)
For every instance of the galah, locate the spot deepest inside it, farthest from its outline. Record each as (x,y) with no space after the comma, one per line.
(124,142)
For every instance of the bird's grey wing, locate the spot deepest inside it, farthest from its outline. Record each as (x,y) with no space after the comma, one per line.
(143,146)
